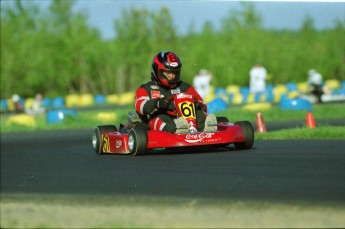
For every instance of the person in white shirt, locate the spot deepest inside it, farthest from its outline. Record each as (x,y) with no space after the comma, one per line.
(201,83)
(314,78)
(258,75)
(37,107)
(315,84)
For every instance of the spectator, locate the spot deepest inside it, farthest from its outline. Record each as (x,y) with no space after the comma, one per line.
(201,83)
(17,104)
(37,107)
(258,75)
(315,84)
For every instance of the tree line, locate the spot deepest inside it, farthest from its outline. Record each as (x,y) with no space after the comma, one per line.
(56,52)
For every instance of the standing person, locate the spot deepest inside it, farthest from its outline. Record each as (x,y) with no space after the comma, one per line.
(258,75)
(153,103)
(315,84)
(17,103)
(201,83)
(37,107)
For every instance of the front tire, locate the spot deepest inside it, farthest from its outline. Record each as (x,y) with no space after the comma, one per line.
(137,141)
(97,139)
(248,133)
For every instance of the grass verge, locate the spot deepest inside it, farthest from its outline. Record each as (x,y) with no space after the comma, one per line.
(322,132)
(50,211)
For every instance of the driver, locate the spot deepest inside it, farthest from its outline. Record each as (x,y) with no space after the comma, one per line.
(153,100)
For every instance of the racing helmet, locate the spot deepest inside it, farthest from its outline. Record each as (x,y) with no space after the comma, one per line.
(166,62)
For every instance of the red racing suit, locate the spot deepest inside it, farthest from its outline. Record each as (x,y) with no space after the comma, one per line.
(144,104)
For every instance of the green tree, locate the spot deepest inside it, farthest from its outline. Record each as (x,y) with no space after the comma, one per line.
(243,41)
(132,43)
(75,48)
(56,52)
(18,27)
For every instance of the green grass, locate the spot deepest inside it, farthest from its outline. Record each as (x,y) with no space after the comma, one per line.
(322,132)
(69,211)
(84,119)
(275,113)
(90,119)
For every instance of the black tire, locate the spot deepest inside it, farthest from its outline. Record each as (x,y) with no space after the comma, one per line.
(96,137)
(248,132)
(137,141)
(107,128)
(222,119)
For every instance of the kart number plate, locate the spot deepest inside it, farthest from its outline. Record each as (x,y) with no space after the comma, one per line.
(187,109)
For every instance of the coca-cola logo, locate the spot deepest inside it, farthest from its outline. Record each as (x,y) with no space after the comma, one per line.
(193,138)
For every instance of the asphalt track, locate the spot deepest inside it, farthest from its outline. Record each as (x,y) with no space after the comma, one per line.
(63,162)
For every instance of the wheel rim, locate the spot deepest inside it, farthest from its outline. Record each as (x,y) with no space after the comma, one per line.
(130,142)
(94,141)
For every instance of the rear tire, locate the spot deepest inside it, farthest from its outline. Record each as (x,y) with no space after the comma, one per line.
(248,133)
(97,139)
(137,141)
(222,119)
(107,128)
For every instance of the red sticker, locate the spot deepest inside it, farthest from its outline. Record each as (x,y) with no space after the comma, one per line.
(171,57)
(155,94)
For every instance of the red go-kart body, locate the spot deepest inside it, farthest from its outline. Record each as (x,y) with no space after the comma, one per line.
(107,140)
(137,139)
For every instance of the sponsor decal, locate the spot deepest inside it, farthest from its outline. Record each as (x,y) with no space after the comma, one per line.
(183,95)
(173,64)
(192,128)
(175,91)
(155,94)
(201,137)
(154,87)
(118,143)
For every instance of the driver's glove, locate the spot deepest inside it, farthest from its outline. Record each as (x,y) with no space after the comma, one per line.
(199,105)
(162,103)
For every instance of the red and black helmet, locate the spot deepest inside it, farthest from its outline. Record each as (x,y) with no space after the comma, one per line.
(166,61)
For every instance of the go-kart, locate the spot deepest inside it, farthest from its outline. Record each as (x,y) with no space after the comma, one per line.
(136,138)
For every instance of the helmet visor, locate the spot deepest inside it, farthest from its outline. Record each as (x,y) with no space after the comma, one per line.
(171,76)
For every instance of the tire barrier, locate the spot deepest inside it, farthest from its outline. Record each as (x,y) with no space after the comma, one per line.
(22,120)
(295,104)
(231,94)
(257,107)
(58,102)
(58,116)
(216,105)
(100,99)
(105,117)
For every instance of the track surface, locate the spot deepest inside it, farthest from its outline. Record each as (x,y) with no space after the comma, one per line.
(63,162)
